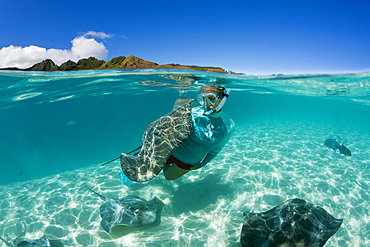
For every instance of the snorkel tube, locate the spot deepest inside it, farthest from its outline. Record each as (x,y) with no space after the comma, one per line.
(225,95)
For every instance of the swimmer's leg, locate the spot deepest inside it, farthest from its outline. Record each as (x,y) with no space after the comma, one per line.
(171,172)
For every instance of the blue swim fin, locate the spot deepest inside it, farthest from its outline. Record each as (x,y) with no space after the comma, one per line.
(335,143)
(125,180)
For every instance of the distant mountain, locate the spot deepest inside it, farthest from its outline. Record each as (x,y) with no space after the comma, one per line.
(49,65)
(69,65)
(121,62)
(46,65)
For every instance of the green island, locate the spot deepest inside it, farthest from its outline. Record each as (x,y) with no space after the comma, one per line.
(121,62)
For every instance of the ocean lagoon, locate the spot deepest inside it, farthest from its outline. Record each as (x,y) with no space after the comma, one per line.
(57,128)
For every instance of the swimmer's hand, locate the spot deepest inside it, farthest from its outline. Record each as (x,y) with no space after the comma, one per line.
(196,167)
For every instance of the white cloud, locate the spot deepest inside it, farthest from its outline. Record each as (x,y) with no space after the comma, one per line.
(100,35)
(82,47)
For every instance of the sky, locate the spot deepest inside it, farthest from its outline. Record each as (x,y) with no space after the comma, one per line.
(252,37)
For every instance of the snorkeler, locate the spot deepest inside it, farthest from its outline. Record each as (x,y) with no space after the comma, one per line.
(185,139)
(211,129)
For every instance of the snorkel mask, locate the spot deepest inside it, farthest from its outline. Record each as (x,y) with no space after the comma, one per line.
(211,99)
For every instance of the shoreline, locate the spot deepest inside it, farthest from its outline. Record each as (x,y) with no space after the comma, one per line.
(123,63)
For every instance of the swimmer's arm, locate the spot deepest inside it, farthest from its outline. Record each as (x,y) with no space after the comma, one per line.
(196,167)
(213,153)
(205,161)
(208,158)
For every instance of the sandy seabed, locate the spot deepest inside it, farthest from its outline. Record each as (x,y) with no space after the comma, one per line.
(264,164)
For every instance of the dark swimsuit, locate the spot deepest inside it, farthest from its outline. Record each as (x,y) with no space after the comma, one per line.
(180,164)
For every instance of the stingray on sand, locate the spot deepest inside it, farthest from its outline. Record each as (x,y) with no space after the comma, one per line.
(292,223)
(41,242)
(130,211)
(333,144)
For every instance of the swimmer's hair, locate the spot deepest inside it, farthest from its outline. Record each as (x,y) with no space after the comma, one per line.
(218,88)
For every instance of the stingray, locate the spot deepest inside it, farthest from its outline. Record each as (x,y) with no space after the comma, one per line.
(41,242)
(333,144)
(292,223)
(130,211)
(159,140)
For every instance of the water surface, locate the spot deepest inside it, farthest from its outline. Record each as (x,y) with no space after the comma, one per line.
(57,127)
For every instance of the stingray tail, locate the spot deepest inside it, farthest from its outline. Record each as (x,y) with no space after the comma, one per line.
(103,197)
(136,149)
(6,242)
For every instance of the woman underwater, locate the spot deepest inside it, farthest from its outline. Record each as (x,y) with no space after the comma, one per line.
(212,128)
(208,129)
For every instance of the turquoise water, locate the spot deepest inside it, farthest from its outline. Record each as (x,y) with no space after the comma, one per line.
(57,127)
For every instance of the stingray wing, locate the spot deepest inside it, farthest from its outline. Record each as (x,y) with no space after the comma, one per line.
(159,140)
(344,150)
(331,143)
(293,223)
(131,211)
